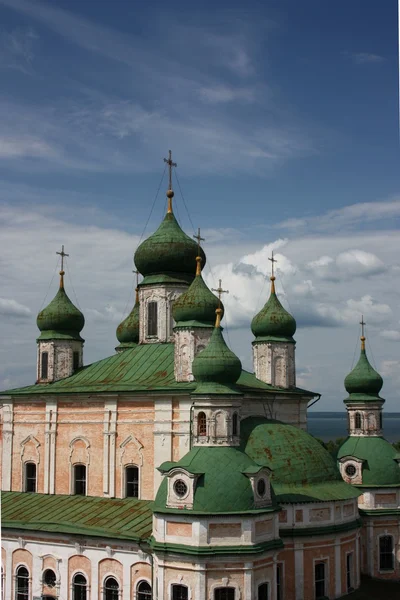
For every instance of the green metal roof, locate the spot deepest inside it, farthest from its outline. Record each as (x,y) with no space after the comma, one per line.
(273,320)
(60,319)
(380,466)
(197,304)
(363,383)
(128,518)
(222,487)
(302,470)
(128,330)
(143,368)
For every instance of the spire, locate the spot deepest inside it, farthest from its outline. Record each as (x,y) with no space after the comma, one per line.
(198,257)
(62,272)
(363,382)
(170,192)
(272,278)
(362,338)
(219,311)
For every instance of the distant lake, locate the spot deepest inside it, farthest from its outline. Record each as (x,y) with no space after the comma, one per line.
(331,425)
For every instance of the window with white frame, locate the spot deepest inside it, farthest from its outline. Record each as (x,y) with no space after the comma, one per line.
(30,477)
(319,580)
(201,424)
(79,480)
(180,592)
(111,589)
(263,592)
(131,481)
(386,556)
(79,587)
(143,591)
(224,593)
(22,583)
(152,322)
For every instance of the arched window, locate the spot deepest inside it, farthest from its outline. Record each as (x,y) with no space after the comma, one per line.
(80,480)
(358,421)
(263,592)
(201,424)
(111,589)
(180,592)
(386,556)
(143,591)
(319,580)
(30,477)
(235,424)
(49,578)
(152,319)
(79,587)
(22,584)
(225,593)
(131,482)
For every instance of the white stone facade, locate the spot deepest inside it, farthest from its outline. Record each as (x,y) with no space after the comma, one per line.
(365,419)
(274,363)
(216,422)
(60,359)
(164,295)
(188,343)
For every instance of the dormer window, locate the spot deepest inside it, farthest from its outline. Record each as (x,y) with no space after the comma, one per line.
(350,470)
(260,482)
(261,487)
(152,322)
(180,488)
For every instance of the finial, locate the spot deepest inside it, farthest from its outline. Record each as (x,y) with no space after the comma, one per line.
(218,312)
(362,323)
(198,257)
(272,278)
(170,193)
(137,284)
(62,272)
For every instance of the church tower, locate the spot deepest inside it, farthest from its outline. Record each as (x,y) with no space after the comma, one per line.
(167,262)
(60,346)
(274,346)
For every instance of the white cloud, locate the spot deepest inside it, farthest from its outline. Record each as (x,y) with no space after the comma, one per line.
(362,58)
(12,308)
(25,146)
(391,334)
(223,93)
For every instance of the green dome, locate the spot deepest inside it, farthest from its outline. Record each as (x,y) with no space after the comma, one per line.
(216,368)
(169,252)
(128,330)
(60,319)
(273,321)
(363,383)
(222,486)
(302,470)
(198,304)
(381,467)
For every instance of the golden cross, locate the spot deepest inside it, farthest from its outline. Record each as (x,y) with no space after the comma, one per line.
(219,291)
(273,260)
(62,254)
(199,239)
(170,165)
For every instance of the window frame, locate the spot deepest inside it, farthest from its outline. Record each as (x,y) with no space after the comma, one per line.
(391,553)
(152,332)
(126,467)
(174,587)
(84,586)
(358,420)
(260,585)
(44,365)
(27,464)
(76,359)
(49,585)
(104,587)
(201,424)
(22,595)
(235,424)
(349,571)
(317,563)
(74,479)
(280,578)
(148,597)
(226,588)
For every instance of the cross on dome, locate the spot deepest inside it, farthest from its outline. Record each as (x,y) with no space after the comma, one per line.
(170,165)
(62,254)
(219,291)
(362,323)
(273,260)
(199,239)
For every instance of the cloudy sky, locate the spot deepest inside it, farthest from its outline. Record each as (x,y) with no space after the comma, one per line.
(283,119)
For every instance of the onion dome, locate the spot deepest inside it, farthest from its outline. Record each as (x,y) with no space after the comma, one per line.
(273,322)
(197,306)
(128,330)
(216,368)
(169,255)
(60,319)
(363,383)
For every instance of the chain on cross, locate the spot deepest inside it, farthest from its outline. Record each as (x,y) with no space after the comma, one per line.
(62,254)
(219,291)
(273,260)
(170,165)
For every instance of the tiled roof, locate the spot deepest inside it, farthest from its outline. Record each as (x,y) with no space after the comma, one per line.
(127,518)
(144,368)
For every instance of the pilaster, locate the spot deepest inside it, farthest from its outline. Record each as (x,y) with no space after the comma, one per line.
(8,428)
(50,446)
(109,447)
(299,570)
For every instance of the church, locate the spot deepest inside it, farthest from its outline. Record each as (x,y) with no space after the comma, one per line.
(168,472)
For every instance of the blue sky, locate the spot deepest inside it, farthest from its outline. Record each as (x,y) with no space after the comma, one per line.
(283,118)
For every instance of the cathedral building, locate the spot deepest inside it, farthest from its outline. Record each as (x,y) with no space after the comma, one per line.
(168,472)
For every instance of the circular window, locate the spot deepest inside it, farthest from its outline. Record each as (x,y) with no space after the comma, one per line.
(350,470)
(180,488)
(261,487)
(49,578)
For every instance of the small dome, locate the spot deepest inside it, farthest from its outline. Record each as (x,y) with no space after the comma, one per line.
(60,319)
(128,330)
(169,251)
(363,379)
(273,321)
(216,368)
(197,304)
(381,465)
